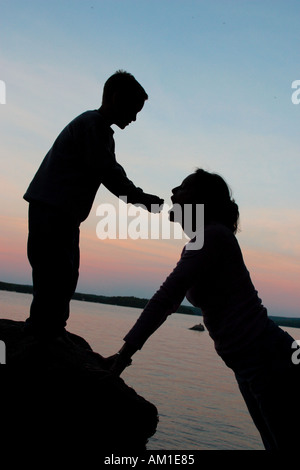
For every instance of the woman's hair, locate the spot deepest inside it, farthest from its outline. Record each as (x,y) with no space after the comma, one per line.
(212,191)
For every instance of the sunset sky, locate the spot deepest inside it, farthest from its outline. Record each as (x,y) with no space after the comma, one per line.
(219,77)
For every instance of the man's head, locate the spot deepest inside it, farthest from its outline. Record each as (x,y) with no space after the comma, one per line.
(123,97)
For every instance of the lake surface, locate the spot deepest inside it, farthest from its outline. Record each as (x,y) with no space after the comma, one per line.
(178,370)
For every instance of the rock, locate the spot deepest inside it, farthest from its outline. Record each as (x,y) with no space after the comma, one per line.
(59,393)
(198,327)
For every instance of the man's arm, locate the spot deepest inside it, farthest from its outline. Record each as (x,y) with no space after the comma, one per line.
(98,147)
(117,182)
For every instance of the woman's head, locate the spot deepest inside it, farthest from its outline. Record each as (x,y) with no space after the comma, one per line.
(210,189)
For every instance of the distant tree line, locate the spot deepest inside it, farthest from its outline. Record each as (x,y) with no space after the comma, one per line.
(121,301)
(135,302)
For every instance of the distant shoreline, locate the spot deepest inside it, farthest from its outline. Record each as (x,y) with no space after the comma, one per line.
(121,301)
(134,302)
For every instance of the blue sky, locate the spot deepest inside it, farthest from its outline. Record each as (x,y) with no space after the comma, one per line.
(218,75)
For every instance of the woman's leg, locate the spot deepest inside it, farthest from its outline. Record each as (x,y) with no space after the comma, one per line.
(273,403)
(255,413)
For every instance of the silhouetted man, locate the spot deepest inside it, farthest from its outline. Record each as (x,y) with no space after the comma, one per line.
(62,193)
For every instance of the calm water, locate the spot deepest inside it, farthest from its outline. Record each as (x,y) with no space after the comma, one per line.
(198,400)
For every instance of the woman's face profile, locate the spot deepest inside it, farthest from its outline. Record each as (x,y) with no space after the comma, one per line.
(182,199)
(183,194)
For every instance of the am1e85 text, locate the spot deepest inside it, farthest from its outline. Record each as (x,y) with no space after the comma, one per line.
(174,459)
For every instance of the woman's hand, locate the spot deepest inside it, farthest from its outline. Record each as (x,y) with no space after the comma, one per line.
(117,363)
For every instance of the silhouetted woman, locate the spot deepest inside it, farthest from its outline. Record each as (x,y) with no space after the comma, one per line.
(216,279)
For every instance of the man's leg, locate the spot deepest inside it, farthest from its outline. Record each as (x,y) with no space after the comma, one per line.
(53,252)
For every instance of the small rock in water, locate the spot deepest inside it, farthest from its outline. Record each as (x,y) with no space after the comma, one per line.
(198,327)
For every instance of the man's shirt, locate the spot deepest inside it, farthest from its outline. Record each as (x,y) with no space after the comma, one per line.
(80,160)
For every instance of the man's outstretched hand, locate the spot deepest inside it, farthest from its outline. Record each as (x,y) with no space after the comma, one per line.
(152,203)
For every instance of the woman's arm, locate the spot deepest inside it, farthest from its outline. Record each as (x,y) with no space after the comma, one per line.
(190,268)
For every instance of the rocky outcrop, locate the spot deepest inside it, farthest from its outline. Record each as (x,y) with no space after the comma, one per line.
(60,393)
